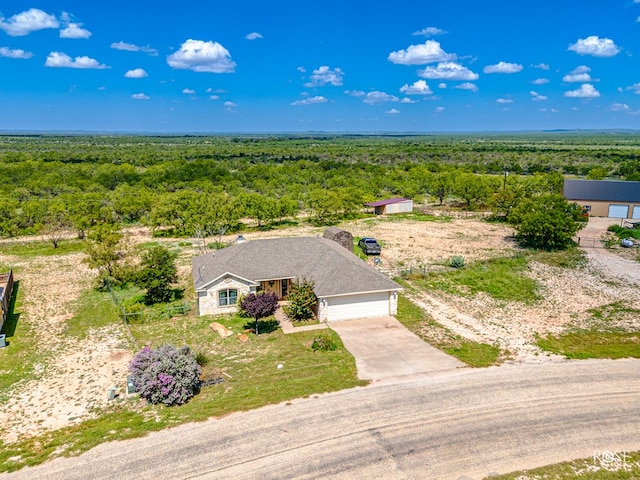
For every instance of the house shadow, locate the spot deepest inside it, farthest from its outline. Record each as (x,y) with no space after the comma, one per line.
(11,323)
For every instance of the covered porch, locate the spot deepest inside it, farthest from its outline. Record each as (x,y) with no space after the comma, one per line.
(279,286)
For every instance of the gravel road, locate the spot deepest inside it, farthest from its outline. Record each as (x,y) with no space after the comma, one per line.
(466,423)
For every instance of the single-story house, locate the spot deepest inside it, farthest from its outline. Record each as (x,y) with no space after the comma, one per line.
(605,198)
(392,205)
(346,287)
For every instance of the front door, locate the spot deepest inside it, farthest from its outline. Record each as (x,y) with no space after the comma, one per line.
(271,286)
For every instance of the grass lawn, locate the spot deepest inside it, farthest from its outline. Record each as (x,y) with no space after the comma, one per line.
(583,344)
(41,248)
(472,353)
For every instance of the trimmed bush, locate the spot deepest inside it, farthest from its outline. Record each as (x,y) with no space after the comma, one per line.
(167,374)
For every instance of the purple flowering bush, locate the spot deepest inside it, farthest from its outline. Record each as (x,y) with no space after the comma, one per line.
(166,374)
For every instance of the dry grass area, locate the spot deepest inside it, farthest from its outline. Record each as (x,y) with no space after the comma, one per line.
(72,384)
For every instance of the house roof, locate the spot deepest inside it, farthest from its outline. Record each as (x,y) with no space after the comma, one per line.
(602,190)
(389,201)
(333,269)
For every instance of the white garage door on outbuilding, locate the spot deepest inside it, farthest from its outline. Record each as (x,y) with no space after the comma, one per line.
(345,307)
(618,211)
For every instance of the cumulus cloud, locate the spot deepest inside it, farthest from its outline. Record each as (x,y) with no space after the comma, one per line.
(540,81)
(188,91)
(442,85)
(448,71)
(427,52)
(536,97)
(140,96)
(136,73)
(62,60)
(393,111)
(130,47)
(355,93)
(503,67)
(230,104)
(15,53)
(407,100)
(439,109)
(504,100)
(429,32)
(253,36)
(214,97)
(28,21)
(324,75)
(541,66)
(468,86)
(375,97)
(310,100)
(578,75)
(595,46)
(201,56)
(586,90)
(74,30)
(635,88)
(619,107)
(419,87)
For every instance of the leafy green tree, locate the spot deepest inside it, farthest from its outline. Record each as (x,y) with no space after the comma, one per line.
(158,271)
(547,221)
(597,173)
(56,222)
(105,250)
(440,185)
(302,300)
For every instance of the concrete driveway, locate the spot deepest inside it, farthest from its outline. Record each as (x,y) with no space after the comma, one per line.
(384,349)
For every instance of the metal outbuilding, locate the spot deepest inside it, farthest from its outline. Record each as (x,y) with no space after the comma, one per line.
(392,205)
(605,198)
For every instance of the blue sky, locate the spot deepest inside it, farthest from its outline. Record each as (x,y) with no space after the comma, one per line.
(336,66)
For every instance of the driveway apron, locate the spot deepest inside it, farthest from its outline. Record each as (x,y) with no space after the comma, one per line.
(384,349)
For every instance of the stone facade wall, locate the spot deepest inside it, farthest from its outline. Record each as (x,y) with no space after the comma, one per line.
(208,301)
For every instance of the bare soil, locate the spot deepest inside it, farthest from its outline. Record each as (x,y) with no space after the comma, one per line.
(72,383)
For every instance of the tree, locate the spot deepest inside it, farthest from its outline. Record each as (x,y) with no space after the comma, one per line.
(259,305)
(301,299)
(440,185)
(105,250)
(56,222)
(166,374)
(548,221)
(157,274)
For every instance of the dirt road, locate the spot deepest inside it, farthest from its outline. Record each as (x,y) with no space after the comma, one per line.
(466,423)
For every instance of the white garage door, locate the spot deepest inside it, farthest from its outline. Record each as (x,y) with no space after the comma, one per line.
(358,306)
(618,211)
(636,212)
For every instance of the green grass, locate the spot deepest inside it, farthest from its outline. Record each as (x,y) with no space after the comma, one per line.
(472,353)
(93,309)
(41,248)
(583,344)
(501,278)
(626,466)
(572,257)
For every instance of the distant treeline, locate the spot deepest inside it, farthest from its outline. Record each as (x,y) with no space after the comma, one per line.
(202,184)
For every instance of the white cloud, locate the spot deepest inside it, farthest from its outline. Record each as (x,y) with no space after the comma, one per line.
(130,47)
(201,56)
(136,73)
(253,36)
(440,109)
(188,91)
(418,87)
(407,100)
(214,97)
(541,66)
(595,46)
(540,81)
(140,96)
(536,97)
(578,75)
(324,75)
(230,104)
(467,86)
(301,69)
(429,32)
(310,101)
(635,88)
(503,67)
(62,60)
(586,90)
(355,93)
(442,85)
(448,71)
(504,100)
(427,52)
(74,30)
(28,21)
(375,97)
(619,107)
(393,111)
(15,53)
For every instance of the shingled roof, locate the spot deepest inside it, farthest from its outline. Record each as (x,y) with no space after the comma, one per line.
(602,190)
(333,269)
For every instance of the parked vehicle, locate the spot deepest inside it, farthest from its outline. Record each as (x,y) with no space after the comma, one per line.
(369,246)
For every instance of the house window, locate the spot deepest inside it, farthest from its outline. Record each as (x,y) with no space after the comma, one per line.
(227,297)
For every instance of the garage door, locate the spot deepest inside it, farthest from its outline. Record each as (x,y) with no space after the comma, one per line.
(636,212)
(618,211)
(358,306)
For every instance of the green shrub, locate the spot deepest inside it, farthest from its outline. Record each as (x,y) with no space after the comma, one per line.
(324,343)
(456,262)
(202,358)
